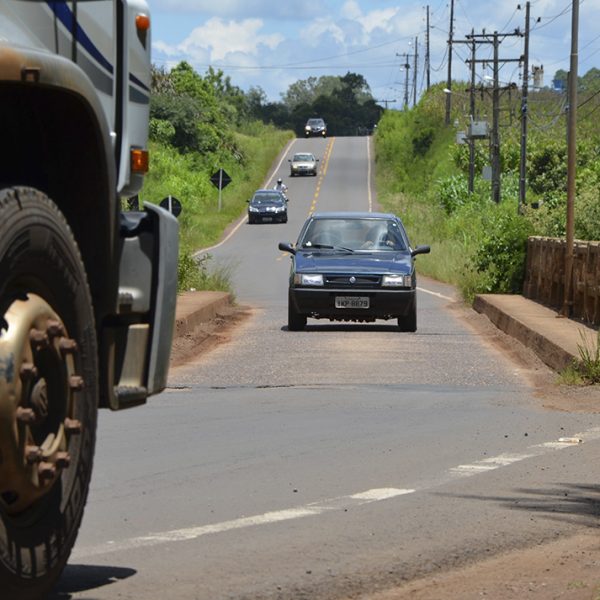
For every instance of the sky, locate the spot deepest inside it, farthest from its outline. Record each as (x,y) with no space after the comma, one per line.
(273,43)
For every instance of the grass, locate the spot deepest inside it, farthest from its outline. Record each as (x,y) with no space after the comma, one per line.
(187,177)
(586,370)
(589,358)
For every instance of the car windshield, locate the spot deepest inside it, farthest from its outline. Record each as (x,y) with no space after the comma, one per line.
(266,198)
(303,158)
(380,235)
(315,121)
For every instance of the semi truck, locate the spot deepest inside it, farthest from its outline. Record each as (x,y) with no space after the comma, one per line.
(87,288)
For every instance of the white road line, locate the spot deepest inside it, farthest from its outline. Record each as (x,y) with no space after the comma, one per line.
(333,504)
(436,294)
(503,460)
(192,533)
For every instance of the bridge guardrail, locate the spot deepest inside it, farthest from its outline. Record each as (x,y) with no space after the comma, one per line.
(545,281)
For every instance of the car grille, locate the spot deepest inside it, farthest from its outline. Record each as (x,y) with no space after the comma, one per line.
(360,281)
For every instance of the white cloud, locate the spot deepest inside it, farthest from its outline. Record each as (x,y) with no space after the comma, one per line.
(319,28)
(217,39)
(376,19)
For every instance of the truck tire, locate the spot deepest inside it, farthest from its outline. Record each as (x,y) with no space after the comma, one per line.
(48,392)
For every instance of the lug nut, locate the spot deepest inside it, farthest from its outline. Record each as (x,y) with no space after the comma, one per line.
(46,471)
(76,383)
(28,371)
(63,460)
(72,426)
(25,415)
(39,339)
(67,346)
(55,328)
(33,454)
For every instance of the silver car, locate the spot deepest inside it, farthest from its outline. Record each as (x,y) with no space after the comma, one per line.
(303,163)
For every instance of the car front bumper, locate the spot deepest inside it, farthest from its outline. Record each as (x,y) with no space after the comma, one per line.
(383,304)
(270,217)
(303,171)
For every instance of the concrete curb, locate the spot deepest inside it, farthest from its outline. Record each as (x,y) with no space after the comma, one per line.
(555,340)
(195,308)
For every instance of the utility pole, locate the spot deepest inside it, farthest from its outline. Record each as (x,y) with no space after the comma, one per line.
(415,71)
(386,102)
(495,137)
(427,52)
(472,115)
(449,80)
(524,110)
(571,162)
(406,71)
(406,66)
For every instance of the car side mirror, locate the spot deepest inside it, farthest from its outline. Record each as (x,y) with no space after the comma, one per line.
(421,250)
(317,160)
(287,247)
(289,160)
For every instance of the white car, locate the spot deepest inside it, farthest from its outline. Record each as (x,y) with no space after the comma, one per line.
(303,163)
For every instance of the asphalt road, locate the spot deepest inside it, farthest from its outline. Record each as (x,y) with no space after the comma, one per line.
(332,462)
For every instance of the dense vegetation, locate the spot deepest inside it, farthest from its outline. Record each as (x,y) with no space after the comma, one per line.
(198,125)
(476,244)
(345,103)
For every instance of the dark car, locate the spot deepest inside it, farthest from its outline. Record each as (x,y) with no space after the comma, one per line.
(353,266)
(267,206)
(315,127)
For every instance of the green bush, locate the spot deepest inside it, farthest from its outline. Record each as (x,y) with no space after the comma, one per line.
(196,274)
(500,255)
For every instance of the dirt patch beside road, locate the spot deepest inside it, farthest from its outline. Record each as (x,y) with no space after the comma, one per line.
(208,335)
(567,569)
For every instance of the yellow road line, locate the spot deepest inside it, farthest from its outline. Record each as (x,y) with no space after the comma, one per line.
(322,173)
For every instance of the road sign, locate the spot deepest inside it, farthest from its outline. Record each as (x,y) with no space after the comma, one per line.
(220,179)
(171,204)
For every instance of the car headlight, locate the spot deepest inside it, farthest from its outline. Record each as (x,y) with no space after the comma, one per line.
(253,209)
(279,209)
(396,281)
(308,279)
(307,128)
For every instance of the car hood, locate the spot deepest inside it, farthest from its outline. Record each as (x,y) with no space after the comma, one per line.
(303,163)
(381,262)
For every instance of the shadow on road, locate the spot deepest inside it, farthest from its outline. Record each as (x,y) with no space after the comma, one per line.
(81,578)
(568,502)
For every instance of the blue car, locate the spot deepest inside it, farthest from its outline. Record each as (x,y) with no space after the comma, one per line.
(353,266)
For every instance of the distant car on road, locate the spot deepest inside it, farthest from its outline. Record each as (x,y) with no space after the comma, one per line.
(315,127)
(353,266)
(303,163)
(267,206)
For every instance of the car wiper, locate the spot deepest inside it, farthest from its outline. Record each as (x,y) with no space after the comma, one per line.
(311,245)
(328,247)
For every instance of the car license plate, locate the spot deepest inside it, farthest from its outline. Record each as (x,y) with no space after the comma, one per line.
(352,302)
(267,219)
